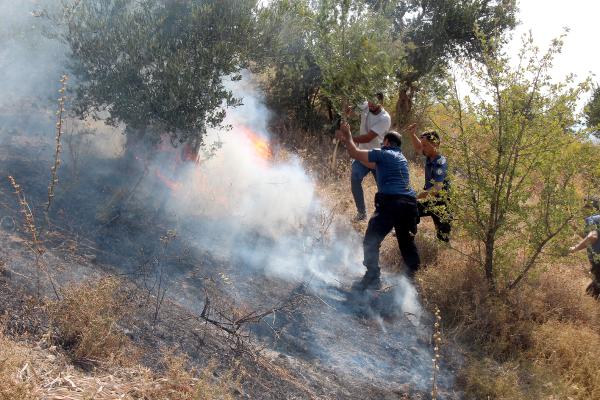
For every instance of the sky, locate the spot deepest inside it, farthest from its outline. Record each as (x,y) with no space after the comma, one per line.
(546,19)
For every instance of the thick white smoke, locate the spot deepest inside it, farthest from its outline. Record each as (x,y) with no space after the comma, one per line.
(244,192)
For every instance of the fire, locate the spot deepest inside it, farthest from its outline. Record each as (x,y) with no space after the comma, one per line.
(261,147)
(173,159)
(170,183)
(168,170)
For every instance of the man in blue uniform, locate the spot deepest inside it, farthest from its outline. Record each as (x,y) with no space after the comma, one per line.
(433,200)
(395,204)
(591,242)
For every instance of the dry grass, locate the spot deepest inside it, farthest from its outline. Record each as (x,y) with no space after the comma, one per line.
(181,383)
(560,294)
(567,356)
(486,379)
(538,341)
(86,321)
(12,362)
(29,373)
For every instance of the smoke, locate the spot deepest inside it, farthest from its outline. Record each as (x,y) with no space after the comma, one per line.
(244,204)
(32,62)
(264,218)
(250,198)
(29,61)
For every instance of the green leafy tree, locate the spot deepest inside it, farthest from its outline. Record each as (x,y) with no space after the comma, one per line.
(518,160)
(592,111)
(434,32)
(336,49)
(287,30)
(157,65)
(326,54)
(355,51)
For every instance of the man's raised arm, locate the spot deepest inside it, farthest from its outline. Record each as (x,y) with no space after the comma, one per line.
(345,136)
(412,132)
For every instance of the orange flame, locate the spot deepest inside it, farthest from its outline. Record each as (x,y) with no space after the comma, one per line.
(170,183)
(261,146)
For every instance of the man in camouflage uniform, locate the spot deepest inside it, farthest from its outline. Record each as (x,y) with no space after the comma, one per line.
(433,200)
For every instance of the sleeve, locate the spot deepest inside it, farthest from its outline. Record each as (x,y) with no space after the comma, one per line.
(592,223)
(374,155)
(440,170)
(381,126)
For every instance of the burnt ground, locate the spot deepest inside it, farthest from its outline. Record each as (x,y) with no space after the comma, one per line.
(315,340)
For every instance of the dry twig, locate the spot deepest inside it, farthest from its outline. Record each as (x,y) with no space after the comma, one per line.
(59,131)
(437,341)
(34,244)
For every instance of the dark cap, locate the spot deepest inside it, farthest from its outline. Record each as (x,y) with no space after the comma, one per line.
(432,136)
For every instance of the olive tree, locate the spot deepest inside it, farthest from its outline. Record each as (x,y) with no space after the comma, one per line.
(158,64)
(327,53)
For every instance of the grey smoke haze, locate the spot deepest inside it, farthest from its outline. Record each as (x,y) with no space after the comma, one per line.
(266,218)
(31,64)
(262,216)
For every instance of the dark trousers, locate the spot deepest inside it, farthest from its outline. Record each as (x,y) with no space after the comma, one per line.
(400,213)
(439,212)
(593,288)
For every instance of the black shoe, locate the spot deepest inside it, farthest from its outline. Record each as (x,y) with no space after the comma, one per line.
(367,283)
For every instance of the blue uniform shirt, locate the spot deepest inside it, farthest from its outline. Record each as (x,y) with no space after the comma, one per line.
(436,170)
(391,171)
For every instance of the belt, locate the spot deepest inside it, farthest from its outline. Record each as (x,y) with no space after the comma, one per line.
(392,197)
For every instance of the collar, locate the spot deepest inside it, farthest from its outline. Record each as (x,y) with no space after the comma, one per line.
(394,148)
(433,160)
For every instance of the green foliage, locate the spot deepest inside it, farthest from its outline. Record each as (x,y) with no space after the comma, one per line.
(158,63)
(592,110)
(355,52)
(327,54)
(294,78)
(518,159)
(434,31)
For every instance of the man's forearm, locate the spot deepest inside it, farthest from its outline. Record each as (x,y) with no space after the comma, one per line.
(581,245)
(352,148)
(358,154)
(416,142)
(361,139)
(591,238)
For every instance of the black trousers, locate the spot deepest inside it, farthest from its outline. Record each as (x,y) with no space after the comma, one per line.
(439,212)
(398,212)
(593,288)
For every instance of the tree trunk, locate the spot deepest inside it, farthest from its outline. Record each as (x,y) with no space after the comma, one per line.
(489,259)
(404,114)
(404,105)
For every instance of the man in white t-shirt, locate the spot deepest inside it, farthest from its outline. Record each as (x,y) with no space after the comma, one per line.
(375,122)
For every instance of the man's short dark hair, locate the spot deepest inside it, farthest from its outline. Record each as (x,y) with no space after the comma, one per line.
(394,138)
(379,96)
(432,136)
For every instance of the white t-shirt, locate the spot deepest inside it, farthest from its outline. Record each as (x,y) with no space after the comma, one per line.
(378,123)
